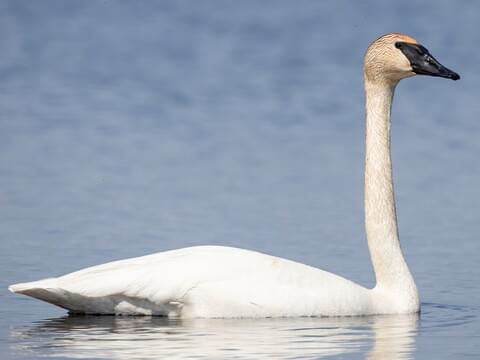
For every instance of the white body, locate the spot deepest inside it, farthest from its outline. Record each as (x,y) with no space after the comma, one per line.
(211,281)
(207,281)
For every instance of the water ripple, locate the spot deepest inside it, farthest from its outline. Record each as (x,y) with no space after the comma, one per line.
(151,337)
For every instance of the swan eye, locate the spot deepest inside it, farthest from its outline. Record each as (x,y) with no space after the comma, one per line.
(398,45)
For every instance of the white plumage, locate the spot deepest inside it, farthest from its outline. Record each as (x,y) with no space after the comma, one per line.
(202,281)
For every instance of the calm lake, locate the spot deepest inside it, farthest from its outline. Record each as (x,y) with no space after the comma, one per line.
(131,127)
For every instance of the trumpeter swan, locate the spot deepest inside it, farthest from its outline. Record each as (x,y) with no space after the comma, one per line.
(214,281)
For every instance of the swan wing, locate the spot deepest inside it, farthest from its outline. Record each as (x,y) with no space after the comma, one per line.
(203,281)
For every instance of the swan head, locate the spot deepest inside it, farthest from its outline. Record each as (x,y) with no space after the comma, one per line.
(394,57)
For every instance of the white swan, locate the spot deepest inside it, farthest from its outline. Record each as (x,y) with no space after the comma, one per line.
(213,281)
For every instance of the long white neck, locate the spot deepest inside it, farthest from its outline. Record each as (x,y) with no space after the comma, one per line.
(391,271)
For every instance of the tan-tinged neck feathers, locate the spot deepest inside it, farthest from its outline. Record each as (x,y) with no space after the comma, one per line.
(391,271)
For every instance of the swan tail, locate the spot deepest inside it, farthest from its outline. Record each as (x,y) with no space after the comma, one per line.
(49,290)
(30,287)
(45,290)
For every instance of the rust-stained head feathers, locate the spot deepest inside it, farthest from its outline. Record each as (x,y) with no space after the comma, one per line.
(393,57)
(384,62)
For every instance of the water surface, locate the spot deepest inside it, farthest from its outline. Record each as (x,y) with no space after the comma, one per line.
(133,127)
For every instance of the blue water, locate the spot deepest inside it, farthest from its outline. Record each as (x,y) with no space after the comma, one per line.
(133,127)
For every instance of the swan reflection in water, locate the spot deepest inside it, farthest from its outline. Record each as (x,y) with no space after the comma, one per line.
(106,337)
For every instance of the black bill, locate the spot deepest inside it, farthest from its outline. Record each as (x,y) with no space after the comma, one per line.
(423,63)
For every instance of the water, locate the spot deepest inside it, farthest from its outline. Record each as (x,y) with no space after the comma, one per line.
(133,127)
